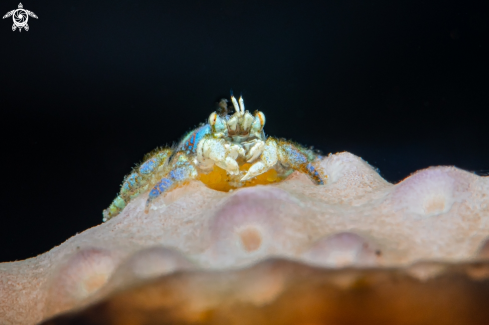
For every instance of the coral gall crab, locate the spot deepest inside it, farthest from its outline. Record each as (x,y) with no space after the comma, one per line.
(229,151)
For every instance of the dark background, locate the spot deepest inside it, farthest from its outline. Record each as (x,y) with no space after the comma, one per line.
(94,85)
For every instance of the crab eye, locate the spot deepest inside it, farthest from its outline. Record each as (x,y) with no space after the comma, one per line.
(261,117)
(212,118)
(217,123)
(259,122)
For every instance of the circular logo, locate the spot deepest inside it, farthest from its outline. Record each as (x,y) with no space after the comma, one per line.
(20,17)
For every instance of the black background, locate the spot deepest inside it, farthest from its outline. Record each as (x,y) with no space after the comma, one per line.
(94,85)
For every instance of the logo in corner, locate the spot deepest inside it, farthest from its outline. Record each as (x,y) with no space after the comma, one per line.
(20,17)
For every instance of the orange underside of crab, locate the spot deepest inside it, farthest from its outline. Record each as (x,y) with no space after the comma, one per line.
(218,179)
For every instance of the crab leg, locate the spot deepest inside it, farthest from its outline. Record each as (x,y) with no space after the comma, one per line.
(137,182)
(289,155)
(297,157)
(182,172)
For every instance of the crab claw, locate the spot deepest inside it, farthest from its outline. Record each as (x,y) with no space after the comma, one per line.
(268,159)
(256,169)
(229,163)
(223,154)
(255,151)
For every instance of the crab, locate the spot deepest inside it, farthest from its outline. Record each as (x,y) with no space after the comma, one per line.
(227,152)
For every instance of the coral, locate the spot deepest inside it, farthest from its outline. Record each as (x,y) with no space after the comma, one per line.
(357,219)
(286,293)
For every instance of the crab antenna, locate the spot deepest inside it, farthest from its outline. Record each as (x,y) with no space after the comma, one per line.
(241,104)
(235,104)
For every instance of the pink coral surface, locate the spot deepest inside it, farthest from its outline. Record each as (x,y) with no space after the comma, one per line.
(357,219)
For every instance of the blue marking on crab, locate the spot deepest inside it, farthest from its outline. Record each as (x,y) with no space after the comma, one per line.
(160,187)
(190,142)
(148,166)
(295,156)
(311,170)
(130,182)
(183,171)
(178,174)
